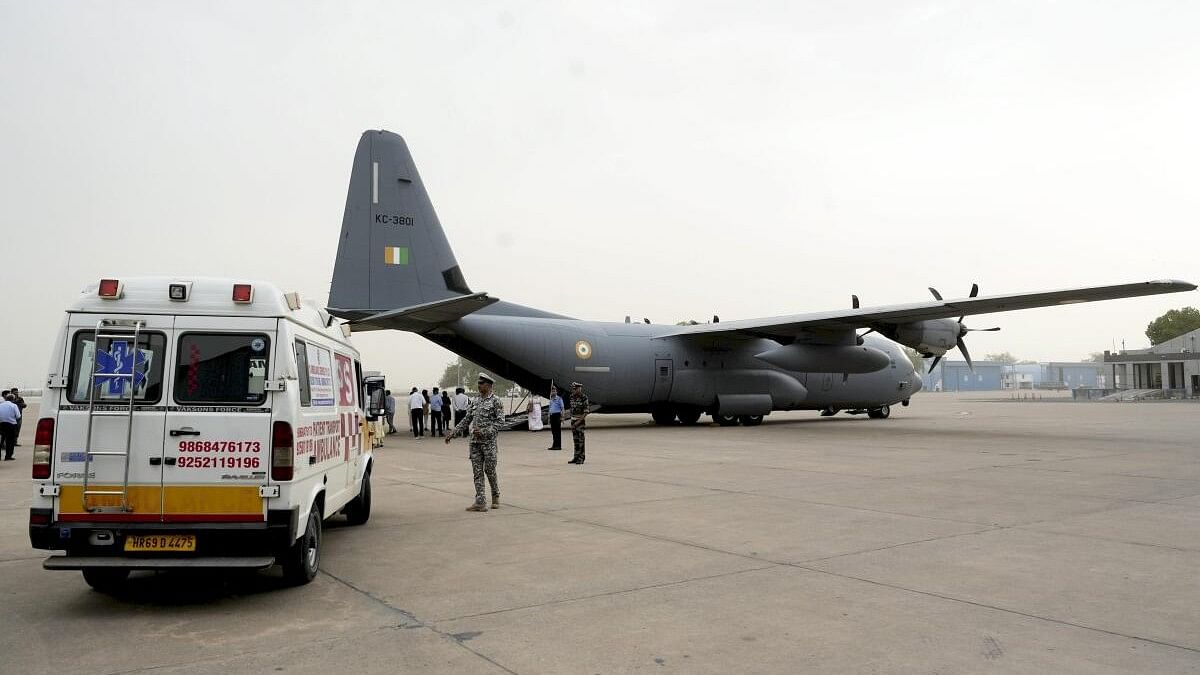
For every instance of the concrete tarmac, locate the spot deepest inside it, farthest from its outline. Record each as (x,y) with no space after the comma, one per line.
(962,535)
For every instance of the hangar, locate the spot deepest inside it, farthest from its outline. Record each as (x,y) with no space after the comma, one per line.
(1172,367)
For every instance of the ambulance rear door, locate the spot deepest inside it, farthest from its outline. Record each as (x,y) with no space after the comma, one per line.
(133,495)
(218,420)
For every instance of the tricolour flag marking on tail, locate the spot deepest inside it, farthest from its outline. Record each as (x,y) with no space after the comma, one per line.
(395,255)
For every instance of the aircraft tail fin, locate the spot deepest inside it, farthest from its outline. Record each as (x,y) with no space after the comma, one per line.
(392,251)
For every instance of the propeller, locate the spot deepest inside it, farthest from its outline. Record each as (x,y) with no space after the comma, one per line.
(963,330)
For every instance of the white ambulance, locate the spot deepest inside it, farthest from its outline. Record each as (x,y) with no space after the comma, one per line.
(197,423)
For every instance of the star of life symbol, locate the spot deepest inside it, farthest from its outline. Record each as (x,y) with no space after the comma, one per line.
(119,360)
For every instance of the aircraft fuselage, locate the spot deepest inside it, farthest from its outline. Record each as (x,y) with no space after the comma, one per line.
(627,367)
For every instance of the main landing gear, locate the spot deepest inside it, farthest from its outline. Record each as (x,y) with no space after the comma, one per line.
(734,420)
(665,415)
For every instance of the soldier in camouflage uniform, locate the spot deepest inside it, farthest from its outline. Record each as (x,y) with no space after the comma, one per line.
(484,416)
(579,411)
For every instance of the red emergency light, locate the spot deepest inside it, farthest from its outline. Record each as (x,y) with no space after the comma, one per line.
(43,447)
(110,289)
(243,293)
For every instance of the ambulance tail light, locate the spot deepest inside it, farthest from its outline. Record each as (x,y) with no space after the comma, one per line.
(111,289)
(243,293)
(43,445)
(282,458)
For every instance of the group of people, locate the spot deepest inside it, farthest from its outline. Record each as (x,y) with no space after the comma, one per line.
(482,423)
(435,411)
(12,409)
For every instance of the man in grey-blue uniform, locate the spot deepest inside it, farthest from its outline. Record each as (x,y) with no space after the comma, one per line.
(485,415)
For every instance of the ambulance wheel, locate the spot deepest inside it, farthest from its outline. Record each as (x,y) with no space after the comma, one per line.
(359,509)
(688,415)
(105,579)
(725,420)
(302,559)
(750,420)
(880,413)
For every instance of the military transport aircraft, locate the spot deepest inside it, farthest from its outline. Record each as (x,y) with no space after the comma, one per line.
(395,270)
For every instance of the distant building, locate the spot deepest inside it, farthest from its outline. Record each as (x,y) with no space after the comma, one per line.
(994,376)
(1054,375)
(957,376)
(1173,367)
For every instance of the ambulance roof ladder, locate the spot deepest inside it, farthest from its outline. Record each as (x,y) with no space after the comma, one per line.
(113,330)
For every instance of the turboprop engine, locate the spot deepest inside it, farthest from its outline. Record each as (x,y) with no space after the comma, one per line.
(932,337)
(826,358)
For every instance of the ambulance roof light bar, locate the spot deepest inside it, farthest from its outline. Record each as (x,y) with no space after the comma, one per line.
(243,294)
(111,289)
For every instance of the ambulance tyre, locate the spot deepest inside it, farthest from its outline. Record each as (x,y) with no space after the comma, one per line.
(105,579)
(302,559)
(359,509)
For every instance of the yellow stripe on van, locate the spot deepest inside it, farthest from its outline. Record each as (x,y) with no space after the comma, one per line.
(211,499)
(144,500)
(192,503)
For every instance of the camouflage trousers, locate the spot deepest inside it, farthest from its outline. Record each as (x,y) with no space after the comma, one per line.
(577,439)
(483,463)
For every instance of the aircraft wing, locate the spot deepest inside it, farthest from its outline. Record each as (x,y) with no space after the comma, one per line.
(848,319)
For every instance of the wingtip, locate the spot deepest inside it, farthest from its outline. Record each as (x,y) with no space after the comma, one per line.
(1175,284)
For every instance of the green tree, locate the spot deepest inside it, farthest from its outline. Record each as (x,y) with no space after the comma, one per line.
(470,372)
(1002,357)
(1174,323)
(918,361)
(1095,357)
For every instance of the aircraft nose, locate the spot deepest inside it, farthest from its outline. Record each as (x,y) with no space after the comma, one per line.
(917,384)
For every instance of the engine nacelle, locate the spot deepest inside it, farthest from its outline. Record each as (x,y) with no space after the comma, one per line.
(826,358)
(932,337)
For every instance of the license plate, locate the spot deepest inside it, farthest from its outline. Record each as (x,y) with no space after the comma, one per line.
(160,542)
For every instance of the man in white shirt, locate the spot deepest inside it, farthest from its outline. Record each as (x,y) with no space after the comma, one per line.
(416,413)
(10,415)
(460,406)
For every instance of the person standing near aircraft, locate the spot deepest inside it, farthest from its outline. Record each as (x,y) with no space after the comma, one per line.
(484,418)
(556,408)
(460,406)
(16,394)
(10,417)
(416,410)
(435,413)
(389,409)
(579,411)
(447,410)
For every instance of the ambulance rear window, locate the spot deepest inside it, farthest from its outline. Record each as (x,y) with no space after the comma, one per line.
(117,358)
(222,368)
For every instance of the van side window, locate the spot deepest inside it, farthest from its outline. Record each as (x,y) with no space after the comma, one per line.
(320,375)
(116,357)
(222,368)
(302,373)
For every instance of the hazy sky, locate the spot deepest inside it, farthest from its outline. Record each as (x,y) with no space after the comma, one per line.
(678,159)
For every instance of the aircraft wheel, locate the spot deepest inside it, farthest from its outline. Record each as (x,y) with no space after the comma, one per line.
(880,413)
(750,420)
(725,420)
(829,412)
(688,415)
(663,415)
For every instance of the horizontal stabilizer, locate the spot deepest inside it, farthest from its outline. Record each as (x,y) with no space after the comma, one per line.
(424,317)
